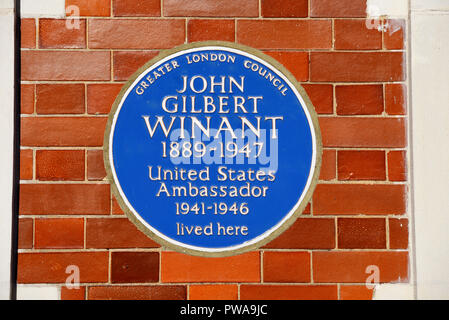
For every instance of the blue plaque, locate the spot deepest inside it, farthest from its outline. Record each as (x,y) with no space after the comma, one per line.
(212,149)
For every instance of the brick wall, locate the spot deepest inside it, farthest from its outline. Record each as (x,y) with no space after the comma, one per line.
(353,73)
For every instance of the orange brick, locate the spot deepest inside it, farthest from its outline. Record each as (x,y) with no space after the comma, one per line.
(395,99)
(137,8)
(25,234)
(101,97)
(394,38)
(73,293)
(60,165)
(27,98)
(115,233)
(126,63)
(53,33)
(59,65)
(355,35)
(398,233)
(138,293)
(285,34)
(328,165)
(60,98)
(211,8)
(295,62)
(288,292)
(341,8)
(59,233)
(285,8)
(364,66)
(51,267)
(307,233)
(351,199)
(177,267)
(359,99)
(63,132)
(322,97)
(28,33)
(26,164)
(363,132)
(95,165)
(350,267)
(115,208)
(286,267)
(361,165)
(397,166)
(128,34)
(97,8)
(43,199)
(205,29)
(213,292)
(134,267)
(355,293)
(362,233)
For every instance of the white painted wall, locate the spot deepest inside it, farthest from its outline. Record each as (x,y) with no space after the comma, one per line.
(430,136)
(6,141)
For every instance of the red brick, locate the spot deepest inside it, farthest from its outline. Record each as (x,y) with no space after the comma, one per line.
(27,98)
(136,34)
(362,233)
(73,293)
(322,97)
(115,233)
(59,233)
(115,208)
(95,165)
(352,199)
(364,66)
(211,8)
(213,292)
(398,233)
(137,8)
(76,199)
(285,34)
(285,8)
(138,267)
(328,165)
(288,292)
(60,98)
(60,165)
(97,8)
(363,132)
(350,267)
(286,267)
(307,210)
(361,165)
(101,97)
(126,63)
(397,166)
(138,293)
(63,132)
(53,33)
(295,62)
(28,33)
(355,35)
(51,267)
(62,65)
(338,9)
(355,293)
(177,267)
(306,233)
(359,99)
(395,99)
(26,164)
(25,234)
(394,38)
(204,29)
